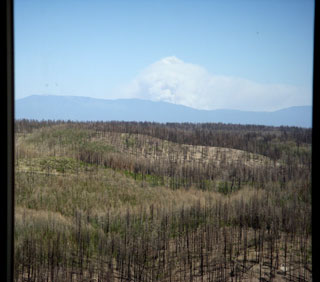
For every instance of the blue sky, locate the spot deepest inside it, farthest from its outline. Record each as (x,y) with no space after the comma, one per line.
(244,54)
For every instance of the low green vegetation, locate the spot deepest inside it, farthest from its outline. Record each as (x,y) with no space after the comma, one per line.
(109,202)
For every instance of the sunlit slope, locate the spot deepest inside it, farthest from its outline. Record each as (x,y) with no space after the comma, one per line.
(165,163)
(62,140)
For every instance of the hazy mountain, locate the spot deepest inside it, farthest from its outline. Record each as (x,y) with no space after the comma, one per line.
(84,109)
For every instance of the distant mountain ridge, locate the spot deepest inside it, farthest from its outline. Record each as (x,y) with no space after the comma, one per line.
(44,107)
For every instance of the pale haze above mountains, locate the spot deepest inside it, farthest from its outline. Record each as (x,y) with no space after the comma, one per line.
(175,81)
(172,90)
(44,107)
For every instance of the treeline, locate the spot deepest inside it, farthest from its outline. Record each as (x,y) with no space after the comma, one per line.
(252,138)
(287,151)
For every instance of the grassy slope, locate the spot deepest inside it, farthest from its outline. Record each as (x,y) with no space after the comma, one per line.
(140,146)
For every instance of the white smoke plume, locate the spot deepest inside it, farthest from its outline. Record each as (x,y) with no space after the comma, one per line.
(175,81)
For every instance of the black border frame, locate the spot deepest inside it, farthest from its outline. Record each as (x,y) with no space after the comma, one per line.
(7,149)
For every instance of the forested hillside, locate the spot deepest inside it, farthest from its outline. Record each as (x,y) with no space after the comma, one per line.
(129,201)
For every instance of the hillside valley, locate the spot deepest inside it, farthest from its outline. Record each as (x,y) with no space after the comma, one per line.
(121,201)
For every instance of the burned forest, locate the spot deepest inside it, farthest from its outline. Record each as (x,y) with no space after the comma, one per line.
(143,201)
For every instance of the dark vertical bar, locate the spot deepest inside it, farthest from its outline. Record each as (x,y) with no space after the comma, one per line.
(7,138)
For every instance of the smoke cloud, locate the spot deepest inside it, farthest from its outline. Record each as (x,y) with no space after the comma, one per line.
(175,81)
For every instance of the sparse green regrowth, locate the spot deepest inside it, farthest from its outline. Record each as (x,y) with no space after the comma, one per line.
(97,146)
(59,164)
(149,202)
